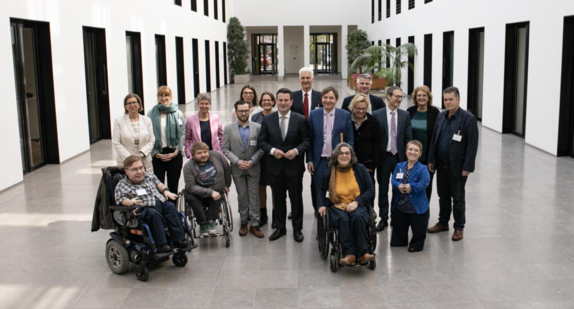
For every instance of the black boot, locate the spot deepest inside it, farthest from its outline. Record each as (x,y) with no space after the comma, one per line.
(263,217)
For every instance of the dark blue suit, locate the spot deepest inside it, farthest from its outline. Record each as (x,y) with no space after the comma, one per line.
(342,124)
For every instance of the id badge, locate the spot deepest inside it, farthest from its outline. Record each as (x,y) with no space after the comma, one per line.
(144,132)
(327,194)
(400,175)
(141,192)
(457,138)
(253,142)
(179,122)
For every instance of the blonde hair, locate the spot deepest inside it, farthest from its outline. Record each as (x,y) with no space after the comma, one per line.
(359,98)
(423,89)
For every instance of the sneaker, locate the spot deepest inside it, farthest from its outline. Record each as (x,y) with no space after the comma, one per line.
(203,230)
(211,228)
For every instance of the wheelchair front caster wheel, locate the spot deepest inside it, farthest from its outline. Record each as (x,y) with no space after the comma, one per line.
(142,273)
(179,259)
(227,241)
(372,265)
(334,261)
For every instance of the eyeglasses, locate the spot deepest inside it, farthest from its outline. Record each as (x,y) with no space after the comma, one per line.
(398,97)
(134,170)
(243,112)
(360,109)
(131,103)
(346,154)
(248,93)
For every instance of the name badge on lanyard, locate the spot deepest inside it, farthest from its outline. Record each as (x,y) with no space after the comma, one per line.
(400,174)
(179,122)
(144,132)
(253,142)
(141,192)
(457,137)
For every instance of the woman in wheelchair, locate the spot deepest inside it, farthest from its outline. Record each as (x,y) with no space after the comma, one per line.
(350,191)
(144,189)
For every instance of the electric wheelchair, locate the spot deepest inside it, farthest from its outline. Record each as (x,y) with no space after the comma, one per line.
(328,237)
(132,241)
(225,218)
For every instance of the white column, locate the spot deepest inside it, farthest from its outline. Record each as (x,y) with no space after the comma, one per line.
(281,52)
(306,49)
(343,54)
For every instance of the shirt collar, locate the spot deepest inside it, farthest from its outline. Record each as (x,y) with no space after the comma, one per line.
(308,92)
(240,126)
(353,117)
(286,116)
(329,113)
(456,114)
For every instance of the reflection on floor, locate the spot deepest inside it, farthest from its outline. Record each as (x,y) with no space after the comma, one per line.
(518,250)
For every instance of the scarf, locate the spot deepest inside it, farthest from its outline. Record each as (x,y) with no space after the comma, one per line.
(172,130)
(333,186)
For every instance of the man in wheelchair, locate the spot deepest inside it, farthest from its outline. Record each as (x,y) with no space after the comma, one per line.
(347,191)
(154,202)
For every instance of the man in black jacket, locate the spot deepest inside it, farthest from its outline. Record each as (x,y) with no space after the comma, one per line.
(364,82)
(452,153)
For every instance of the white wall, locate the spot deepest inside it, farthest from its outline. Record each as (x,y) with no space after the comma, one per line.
(66,18)
(545,53)
(293,49)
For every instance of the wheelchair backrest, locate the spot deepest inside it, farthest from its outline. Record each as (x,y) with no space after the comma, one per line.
(112,176)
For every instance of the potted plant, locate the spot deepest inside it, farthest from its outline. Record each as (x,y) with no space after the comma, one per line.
(237,51)
(357,42)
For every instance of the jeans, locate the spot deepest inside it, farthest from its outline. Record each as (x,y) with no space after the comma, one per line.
(161,215)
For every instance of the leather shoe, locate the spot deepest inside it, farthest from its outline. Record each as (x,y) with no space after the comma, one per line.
(366,258)
(382,224)
(274,225)
(349,260)
(457,235)
(263,218)
(415,250)
(277,234)
(437,228)
(298,236)
(163,248)
(290,215)
(180,243)
(243,229)
(256,231)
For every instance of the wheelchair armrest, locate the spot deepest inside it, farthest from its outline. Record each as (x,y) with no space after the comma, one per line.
(122,208)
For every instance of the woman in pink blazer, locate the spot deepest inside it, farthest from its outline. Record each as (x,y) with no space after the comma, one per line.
(203,127)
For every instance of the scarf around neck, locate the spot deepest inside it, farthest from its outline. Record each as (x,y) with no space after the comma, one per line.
(333,196)
(172,130)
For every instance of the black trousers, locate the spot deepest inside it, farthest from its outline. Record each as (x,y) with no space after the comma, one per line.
(351,227)
(401,223)
(451,196)
(172,168)
(384,172)
(280,185)
(197,203)
(372,174)
(160,216)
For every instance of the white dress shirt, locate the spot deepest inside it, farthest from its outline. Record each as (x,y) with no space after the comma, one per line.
(287,117)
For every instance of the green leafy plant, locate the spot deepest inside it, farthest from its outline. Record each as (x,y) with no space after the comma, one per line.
(236,47)
(385,61)
(357,42)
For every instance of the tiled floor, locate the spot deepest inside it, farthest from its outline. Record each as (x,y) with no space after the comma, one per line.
(518,250)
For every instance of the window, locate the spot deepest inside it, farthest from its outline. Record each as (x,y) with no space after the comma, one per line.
(380,42)
(372,42)
(411,4)
(372,11)
(194,5)
(398,7)
(388,60)
(206,7)
(178,2)
(428,1)
(410,70)
(380,9)
(161,68)
(388,8)
(215,10)
(223,11)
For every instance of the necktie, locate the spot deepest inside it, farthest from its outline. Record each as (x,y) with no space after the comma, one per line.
(283,128)
(393,134)
(306,106)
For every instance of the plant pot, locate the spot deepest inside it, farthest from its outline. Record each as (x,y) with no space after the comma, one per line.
(242,79)
(378,83)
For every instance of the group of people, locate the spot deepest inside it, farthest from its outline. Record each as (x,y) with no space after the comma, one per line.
(342,149)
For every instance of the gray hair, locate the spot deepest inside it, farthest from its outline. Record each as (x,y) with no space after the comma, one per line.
(390,90)
(334,160)
(366,76)
(306,69)
(452,90)
(203,96)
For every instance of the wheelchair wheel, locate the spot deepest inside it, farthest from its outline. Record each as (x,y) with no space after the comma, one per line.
(142,273)
(179,259)
(322,237)
(229,213)
(372,265)
(227,241)
(117,257)
(334,261)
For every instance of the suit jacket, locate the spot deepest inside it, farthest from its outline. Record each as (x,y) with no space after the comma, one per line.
(193,133)
(419,180)
(297,137)
(462,154)
(233,148)
(298,101)
(376,103)
(432,113)
(342,124)
(404,132)
(123,138)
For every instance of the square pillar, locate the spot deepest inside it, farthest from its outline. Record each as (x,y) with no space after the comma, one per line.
(306,47)
(281,52)
(343,53)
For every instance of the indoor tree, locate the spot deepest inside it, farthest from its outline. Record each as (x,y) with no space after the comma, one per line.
(385,61)
(236,47)
(357,42)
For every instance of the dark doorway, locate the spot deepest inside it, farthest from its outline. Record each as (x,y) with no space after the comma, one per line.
(97,84)
(324,53)
(195,47)
(217,74)
(515,79)
(411,70)
(31,48)
(160,61)
(447,60)
(179,58)
(475,71)
(223,11)
(207,67)
(566,116)
(264,47)
(194,5)
(135,74)
(225,63)
(427,74)
(215,10)
(206,7)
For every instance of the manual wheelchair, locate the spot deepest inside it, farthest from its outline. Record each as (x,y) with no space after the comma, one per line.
(132,241)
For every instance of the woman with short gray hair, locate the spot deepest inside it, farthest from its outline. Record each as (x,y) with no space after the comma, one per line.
(203,127)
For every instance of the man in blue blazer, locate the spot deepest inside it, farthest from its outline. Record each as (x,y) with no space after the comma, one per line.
(364,82)
(396,132)
(326,126)
(452,154)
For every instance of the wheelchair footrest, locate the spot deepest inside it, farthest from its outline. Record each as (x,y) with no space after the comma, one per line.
(211,236)
(159,256)
(187,248)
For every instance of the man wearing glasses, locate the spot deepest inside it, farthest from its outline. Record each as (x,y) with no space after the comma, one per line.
(144,190)
(395,126)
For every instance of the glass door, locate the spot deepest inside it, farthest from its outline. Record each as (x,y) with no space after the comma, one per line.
(324,53)
(264,48)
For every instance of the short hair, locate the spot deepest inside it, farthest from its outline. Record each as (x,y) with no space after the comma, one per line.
(366,76)
(359,98)
(270,95)
(198,146)
(203,96)
(306,69)
(285,91)
(416,143)
(137,97)
(164,90)
(423,89)
(452,90)
(330,89)
(240,102)
(391,89)
(250,87)
(337,152)
(130,160)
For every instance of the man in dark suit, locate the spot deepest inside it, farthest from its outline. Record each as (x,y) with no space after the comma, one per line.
(396,132)
(364,82)
(284,138)
(452,153)
(326,125)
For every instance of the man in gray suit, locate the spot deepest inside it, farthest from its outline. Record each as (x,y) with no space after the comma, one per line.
(240,148)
